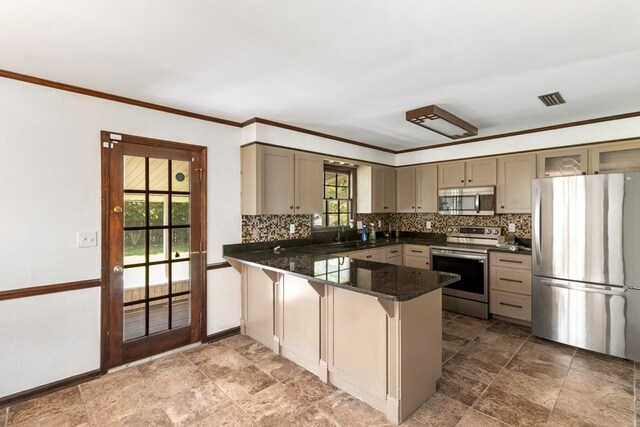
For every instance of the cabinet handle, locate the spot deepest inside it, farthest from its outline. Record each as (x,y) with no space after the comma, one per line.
(510,260)
(394,252)
(416,251)
(510,305)
(509,280)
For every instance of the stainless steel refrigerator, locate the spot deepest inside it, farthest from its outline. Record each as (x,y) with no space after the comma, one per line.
(586,262)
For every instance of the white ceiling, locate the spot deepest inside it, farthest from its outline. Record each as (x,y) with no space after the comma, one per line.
(349,68)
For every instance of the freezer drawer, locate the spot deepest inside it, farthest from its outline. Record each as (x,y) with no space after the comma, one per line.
(605,319)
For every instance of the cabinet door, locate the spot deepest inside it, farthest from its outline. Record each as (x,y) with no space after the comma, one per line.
(426,188)
(406,190)
(276,181)
(613,158)
(451,175)
(417,262)
(389,190)
(481,172)
(566,162)
(309,177)
(514,183)
(377,190)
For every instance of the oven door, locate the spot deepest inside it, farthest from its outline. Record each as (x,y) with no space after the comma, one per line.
(473,271)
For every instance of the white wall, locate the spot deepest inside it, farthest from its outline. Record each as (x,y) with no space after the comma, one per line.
(50,189)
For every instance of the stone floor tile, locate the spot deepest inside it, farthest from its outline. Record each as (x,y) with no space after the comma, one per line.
(473,321)
(120,402)
(460,388)
(222,364)
(617,370)
(499,340)
(170,381)
(526,387)
(206,351)
(231,416)
(545,371)
(448,315)
(347,410)
(62,400)
(194,404)
(254,351)
(600,391)
(147,417)
(440,411)
(162,363)
(488,353)
(236,341)
(478,419)
(446,355)
(577,406)
(278,367)
(461,330)
(111,382)
(73,417)
(510,329)
(274,405)
(310,386)
(472,368)
(547,353)
(409,422)
(511,409)
(310,417)
(244,382)
(560,419)
(453,343)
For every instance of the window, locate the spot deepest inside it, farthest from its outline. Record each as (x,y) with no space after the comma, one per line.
(338,196)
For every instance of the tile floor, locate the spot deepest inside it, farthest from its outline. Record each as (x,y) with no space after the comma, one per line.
(494,374)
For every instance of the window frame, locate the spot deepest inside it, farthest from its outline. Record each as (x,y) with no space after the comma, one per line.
(351,171)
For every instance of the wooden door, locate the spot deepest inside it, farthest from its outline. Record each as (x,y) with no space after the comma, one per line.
(406,190)
(451,175)
(154,197)
(276,181)
(481,172)
(309,180)
(514,183)
(427,188)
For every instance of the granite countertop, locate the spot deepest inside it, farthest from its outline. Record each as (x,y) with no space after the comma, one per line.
(380,280)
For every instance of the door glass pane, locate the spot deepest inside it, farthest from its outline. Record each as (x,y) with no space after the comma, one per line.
(158,315)
(134,173)
(562,165)
(134,247)
(158,174)
(158,212)
(180,210)
(180,243)
(135,211)
(158,245)
(134,284)
(134,321)
(158,280)
(180,276)
(179,175)
(180,311)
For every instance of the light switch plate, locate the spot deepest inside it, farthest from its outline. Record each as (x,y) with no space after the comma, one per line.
(87,239)
(292,228)
(512,228)
(359,226)
(428,225)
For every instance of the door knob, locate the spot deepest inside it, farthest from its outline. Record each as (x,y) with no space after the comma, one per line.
(117,209)
(118,269)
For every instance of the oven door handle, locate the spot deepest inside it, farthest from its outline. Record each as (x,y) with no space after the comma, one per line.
(451,254)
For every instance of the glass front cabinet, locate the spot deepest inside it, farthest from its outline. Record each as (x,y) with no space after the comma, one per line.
(565,162)
(612,158)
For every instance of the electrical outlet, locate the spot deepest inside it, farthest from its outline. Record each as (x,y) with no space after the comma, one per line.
(512,228)
(359,225)
(292,228)
(428,225)
(379,223)
(87,239)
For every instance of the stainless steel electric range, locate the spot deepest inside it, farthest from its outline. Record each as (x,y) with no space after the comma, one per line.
(466,253)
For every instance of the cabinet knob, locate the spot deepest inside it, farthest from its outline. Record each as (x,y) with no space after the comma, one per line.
(297,207)
(290,207)
(413,207)
(584,173)
(502,207)
(469,180)
(595,172)
(419,207)
(462,180)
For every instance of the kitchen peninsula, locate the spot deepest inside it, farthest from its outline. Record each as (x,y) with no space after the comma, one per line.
(371,329)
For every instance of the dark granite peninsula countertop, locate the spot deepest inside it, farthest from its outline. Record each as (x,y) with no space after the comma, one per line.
(380,280)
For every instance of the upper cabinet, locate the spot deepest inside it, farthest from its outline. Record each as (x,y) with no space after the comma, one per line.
(513,192)
(564,162)
(612,158)
(280,181)
(417,189)
(376,189)
(473,173)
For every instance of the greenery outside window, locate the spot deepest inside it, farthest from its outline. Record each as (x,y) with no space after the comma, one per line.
(338,196)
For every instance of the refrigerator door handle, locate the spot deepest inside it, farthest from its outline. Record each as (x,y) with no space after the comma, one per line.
(600,290)
(537,226)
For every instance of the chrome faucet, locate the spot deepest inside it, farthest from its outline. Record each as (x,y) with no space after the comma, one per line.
(340,231)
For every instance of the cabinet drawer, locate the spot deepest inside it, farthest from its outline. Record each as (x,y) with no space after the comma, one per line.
(393,251)
(510,305)
(417,262)
(510,280)
(416,250)
(396,260)
(506,259)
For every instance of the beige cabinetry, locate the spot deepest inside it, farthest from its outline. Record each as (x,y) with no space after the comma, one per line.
(417,256)
(510,285)
(563,162)
(417,189)
(513,191)
(387,254)
(472,173)
(280,181)
(613,158)
(376,189)
(393,255)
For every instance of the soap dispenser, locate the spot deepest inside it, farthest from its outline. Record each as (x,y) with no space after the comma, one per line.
(372,234)
(364,233)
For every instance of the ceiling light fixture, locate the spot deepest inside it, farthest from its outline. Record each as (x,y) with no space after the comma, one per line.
(440,121)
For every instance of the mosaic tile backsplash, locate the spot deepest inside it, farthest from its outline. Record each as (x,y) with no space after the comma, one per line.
(264,228)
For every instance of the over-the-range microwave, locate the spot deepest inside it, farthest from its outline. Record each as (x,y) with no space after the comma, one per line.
(467,201)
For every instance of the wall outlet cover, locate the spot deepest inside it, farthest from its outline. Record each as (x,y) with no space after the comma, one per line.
(292,228)
(87,239)
(512,228)
(428,225)
(359,226)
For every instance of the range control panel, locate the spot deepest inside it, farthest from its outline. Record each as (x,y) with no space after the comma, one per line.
(473,231)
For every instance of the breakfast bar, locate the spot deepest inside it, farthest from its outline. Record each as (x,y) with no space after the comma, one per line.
(372,329)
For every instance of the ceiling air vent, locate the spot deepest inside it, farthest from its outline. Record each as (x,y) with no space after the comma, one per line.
(552,99)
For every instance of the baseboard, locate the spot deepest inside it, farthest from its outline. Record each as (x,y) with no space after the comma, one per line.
(48,388)
(223,334)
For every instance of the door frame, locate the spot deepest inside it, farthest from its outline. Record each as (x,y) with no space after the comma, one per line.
(107,139)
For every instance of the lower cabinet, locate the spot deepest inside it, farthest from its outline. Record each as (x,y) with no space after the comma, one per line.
(417,256)
(510,285)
